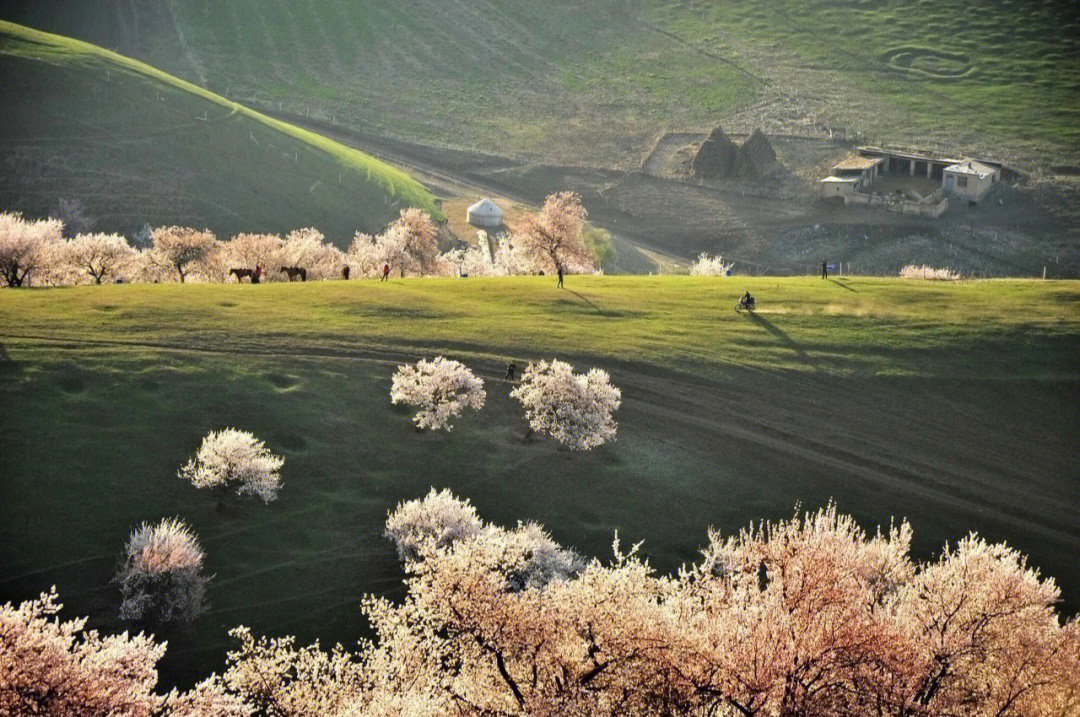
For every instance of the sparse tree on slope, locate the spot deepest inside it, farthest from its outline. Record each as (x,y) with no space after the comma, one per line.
(27,247)
(232,458)
(100,256)
(441,388)
(554,236)
(574,409)
(161,577)
(182,249)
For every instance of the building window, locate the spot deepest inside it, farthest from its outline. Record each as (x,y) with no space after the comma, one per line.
(961,182)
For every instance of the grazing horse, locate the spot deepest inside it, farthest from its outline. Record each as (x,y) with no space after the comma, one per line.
(295,271)
(241,273)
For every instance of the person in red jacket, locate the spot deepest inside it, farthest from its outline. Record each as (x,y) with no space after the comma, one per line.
(385,272)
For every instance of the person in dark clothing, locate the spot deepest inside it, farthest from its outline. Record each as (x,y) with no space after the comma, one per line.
(257,275)
(824,270)
(747,300)
(385,272)
(560,275)
(345,272)
(510,369)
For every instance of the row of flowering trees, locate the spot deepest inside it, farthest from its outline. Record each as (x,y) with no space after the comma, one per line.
(806,616)
(36,251)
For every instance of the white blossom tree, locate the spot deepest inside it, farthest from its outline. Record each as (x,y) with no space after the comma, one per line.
(706,265)
(161,577)
(28,247)
(232,458)
(441,388)
(574,409)
(183,249)
(439,518)
(99,256)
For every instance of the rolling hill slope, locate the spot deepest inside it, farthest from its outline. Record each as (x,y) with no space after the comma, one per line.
(592,83)
(136,145)
(953,405)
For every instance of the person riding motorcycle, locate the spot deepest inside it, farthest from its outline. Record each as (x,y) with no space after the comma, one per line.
(747,301)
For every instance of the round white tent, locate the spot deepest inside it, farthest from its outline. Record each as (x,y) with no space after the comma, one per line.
(484,213)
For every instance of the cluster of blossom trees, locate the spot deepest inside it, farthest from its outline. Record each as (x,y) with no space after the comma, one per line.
(807,616)
(574,409)
(36,251)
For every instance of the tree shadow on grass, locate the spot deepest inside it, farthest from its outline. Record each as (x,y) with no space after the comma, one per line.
(590,303)
(782,336)
(8,367)
(844,286)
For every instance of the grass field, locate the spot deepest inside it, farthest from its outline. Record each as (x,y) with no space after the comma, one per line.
(136,145)
(592,82)
(954,405)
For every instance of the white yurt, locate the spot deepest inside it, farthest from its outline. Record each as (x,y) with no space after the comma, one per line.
(484,213)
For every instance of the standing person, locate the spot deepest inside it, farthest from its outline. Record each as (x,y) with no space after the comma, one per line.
(257,275)
(385,272)
(824,270)
(510,369)
(560,275)
(345,272)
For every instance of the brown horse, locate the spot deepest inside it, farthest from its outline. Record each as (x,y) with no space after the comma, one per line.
(295,271)
(241,273)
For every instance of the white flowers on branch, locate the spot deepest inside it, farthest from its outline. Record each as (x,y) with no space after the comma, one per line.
(441,388)
(233,458)
(574,409)
(161,577)
(710,266)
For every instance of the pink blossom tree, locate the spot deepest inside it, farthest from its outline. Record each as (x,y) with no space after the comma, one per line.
(161,577)
(183,250)
(554,237)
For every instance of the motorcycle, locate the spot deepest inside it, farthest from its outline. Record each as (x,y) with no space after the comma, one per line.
(745,305)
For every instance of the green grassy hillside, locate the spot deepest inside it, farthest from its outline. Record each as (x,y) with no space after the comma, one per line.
(136,145)
(591,82)
(954,405)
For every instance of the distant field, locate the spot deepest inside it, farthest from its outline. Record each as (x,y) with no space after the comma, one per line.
(594,82)
(138,146)
(954,405)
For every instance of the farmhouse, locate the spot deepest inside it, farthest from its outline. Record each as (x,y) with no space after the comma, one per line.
(970,179)
(906,181)
(484,213)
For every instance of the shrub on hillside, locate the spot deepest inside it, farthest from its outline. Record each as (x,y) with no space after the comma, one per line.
(161,577)
(574,409)
(710,266)
(235,459)
(911,271)
(441,388)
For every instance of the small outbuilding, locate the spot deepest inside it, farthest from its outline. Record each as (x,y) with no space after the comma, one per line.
(970,179)
(484,213)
